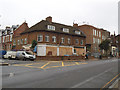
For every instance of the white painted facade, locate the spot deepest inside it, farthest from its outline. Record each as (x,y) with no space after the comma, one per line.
(41,50)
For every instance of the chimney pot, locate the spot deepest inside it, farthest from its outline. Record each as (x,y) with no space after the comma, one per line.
(75,25)
(49,19)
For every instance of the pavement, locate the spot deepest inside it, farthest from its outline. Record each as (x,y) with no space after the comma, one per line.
(60,74)
(116,84)
(2,63)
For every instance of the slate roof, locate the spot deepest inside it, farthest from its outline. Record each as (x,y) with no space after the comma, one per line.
(42,25)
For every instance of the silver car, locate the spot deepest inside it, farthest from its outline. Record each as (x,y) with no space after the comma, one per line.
(24,55)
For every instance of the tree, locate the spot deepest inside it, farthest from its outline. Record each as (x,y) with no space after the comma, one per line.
(105,45)
(34,43)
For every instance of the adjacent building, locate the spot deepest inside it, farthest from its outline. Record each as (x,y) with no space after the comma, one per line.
(1,39)
(94,36)
(18,40)
(7,36)
(53,39)
(115,45)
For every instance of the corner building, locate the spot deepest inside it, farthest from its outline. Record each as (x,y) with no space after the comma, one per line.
(55,39)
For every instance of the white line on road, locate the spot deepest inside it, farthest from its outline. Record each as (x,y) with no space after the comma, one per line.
(79,84)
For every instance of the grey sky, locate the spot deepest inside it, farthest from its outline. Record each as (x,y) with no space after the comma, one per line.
(99,13)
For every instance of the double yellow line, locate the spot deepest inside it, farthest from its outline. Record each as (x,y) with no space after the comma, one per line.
(110,81)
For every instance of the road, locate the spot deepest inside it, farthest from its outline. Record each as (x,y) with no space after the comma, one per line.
(61,74)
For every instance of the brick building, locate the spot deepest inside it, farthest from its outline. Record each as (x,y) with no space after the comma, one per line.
(94,36)
(6,38)
(19,40)
(1,39)
(118,43)
(115,45)
(53,39)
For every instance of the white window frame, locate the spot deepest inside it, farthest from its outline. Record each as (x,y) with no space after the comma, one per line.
(77,32)
(99,34)
(40,38)
(46,38)
(62,40)
(25,42)
(54,39)
(93,40)
(18,42)
(68,40)
(66,30)
(3,39)
(51,27)
(10,37)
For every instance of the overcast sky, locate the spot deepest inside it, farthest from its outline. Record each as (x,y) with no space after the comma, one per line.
(99,13)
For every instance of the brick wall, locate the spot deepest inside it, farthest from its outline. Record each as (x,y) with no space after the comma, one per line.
(65,51)
(88,30)
(57,58)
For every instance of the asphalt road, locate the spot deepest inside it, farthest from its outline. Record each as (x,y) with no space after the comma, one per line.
(68,74)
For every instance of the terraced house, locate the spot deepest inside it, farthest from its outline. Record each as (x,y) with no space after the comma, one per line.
(7,36)
(54,39)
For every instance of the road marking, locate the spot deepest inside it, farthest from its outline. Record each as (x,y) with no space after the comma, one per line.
(45,65)
(77,63)
(63,64)
(83,63)
(110,81)
(79,84)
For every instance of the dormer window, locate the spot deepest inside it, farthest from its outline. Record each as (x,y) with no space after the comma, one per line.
(66,30)
(50,27)
(77,32)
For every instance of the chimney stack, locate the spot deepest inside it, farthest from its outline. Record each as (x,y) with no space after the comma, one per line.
(49,19)
(75,25)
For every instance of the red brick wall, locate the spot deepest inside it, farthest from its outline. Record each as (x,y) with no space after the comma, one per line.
(20,29)
(57,58)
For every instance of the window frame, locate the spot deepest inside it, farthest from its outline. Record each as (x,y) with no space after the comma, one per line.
(40,36)
(62,40)
(25,42)
(46,38)
(69,40)
(54,39)
(82,42)
(18,42)
(76,41)
(51,27)
(66,30)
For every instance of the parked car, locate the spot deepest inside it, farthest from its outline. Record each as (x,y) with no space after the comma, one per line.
(25,55)
(2,53)
(10,55)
